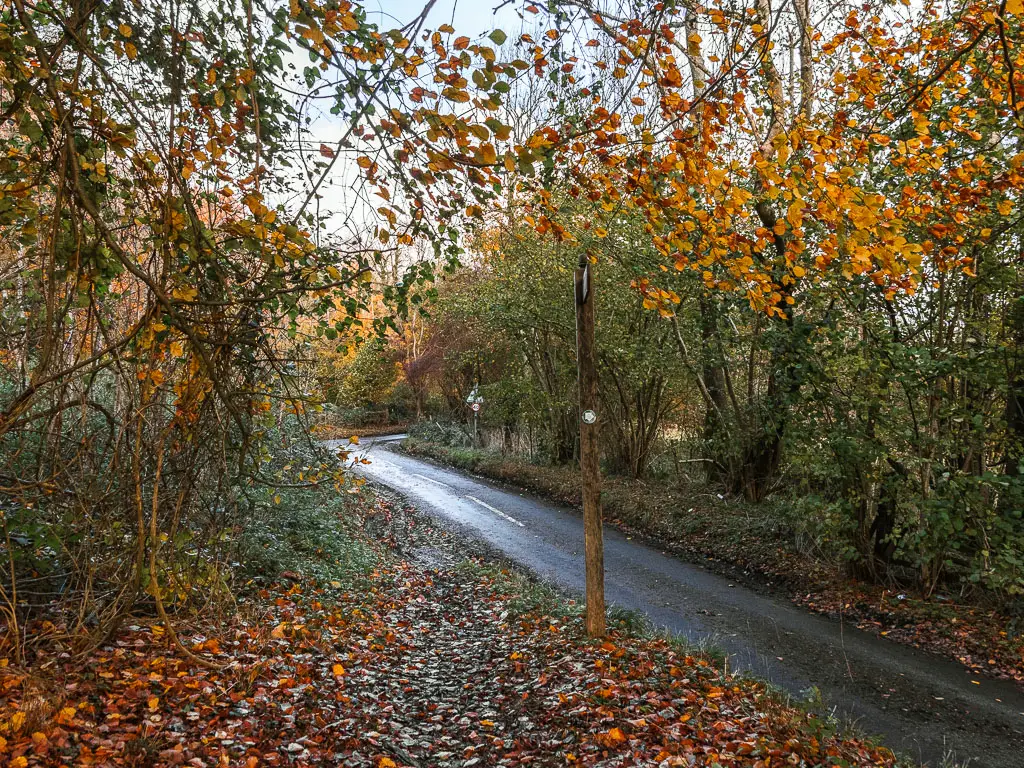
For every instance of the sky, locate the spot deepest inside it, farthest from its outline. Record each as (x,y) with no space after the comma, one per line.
(473,18)
(469,17)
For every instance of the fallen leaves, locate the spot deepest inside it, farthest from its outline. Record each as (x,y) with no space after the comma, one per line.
(420,666)
(438,670)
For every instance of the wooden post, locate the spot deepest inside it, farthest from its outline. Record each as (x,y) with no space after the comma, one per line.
(590,468)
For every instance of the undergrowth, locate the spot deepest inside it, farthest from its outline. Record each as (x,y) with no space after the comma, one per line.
(313,532)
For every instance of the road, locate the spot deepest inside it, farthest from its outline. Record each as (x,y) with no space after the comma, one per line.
(925,707)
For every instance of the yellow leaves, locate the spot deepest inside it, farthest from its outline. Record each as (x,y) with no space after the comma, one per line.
(539,141)
(457,95)
(66,715)
(254,203)
(338,670)
(488,154)
(313,34)
(1015,7)
(153,703)
(386,762)
(131,51)
(348,21)
(154,375)
(794,214)
(184,293)
(19,762)
(16,722)
(799,271)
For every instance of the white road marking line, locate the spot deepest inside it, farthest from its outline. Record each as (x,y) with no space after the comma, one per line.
(432,480)
(495,510)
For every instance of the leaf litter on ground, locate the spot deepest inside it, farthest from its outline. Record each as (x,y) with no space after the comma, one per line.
(424,665)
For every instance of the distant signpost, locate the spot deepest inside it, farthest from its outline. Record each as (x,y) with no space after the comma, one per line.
(476,402)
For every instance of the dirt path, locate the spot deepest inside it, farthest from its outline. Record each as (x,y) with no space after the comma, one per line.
(924,707)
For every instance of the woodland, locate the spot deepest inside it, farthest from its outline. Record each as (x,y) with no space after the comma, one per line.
(231,229)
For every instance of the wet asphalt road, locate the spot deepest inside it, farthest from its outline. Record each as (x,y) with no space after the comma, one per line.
(925,707)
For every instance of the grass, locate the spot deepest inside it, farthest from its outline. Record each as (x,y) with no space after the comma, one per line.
(315,532)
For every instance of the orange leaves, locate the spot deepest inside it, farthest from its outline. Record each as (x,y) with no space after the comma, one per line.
(66,716)
(488,154)
(153,375)
(546,137)
(456,95)
(613,737)
(671,76)
(794,213)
